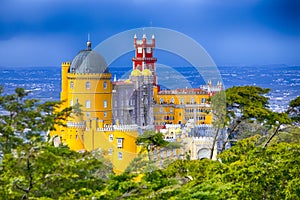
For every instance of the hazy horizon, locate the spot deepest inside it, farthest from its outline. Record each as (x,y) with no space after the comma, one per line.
(251,32)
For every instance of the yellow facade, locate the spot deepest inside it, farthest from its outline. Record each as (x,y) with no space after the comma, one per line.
(93,129)
(94,93)
(86,82)
(179,106)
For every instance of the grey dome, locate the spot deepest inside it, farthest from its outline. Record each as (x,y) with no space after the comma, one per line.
(88,62)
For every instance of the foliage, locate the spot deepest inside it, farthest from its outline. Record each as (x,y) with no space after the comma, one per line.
(151,140)
(25,119)
(34,169)
(247,109)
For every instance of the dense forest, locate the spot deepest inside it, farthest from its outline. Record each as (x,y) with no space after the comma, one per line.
(262,163)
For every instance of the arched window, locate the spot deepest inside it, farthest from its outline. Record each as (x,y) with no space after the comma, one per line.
(192,100)
(105,104)
(161,100)
(172,100)
(182,101)
(105,85)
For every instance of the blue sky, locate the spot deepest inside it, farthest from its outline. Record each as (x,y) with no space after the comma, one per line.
(234,32)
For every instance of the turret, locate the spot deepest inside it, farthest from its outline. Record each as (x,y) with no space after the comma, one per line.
(153,41)
(144,55)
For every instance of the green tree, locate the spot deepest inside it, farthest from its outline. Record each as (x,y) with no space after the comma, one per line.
(42,170)
(220,119)
(151,140)
(291,115)
(25,119)
(245,104)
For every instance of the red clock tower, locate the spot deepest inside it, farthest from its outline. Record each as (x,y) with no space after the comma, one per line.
(144,55)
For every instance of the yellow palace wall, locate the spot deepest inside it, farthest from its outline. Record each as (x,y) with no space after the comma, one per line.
(178,108)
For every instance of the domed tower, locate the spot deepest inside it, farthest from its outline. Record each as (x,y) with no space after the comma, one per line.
(90,85)
(86,82)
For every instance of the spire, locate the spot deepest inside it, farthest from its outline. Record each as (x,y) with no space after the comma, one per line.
(144,36)
(134,36)
(115,78)
(89,44)
(153,36)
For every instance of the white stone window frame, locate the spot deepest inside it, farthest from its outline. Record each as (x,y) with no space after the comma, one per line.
(120,142)
(87,104)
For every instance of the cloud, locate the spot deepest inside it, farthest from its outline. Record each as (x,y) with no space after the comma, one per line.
(206,21)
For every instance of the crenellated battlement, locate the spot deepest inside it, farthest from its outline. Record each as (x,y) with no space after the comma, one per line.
(123,128)
(80,125)
(144,43)
(65,64)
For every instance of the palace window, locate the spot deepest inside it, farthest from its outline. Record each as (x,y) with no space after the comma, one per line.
(148,50)
(71,102)
(105,85)
(88,104)
(71,85)
(140,49)
(120,155)
(88,115)
(111,137)
(87,85)
(161,100)
(105,114)
(182,100)
(162,153)
(172,100)
(168,153)
(192,100)
(160,109)
(174,152)
(203,100)
(110,151)
(105,103)
(120,142)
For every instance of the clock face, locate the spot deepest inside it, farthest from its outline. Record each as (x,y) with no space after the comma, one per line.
(148,50)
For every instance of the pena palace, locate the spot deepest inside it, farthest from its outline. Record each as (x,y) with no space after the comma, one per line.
(115,112)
